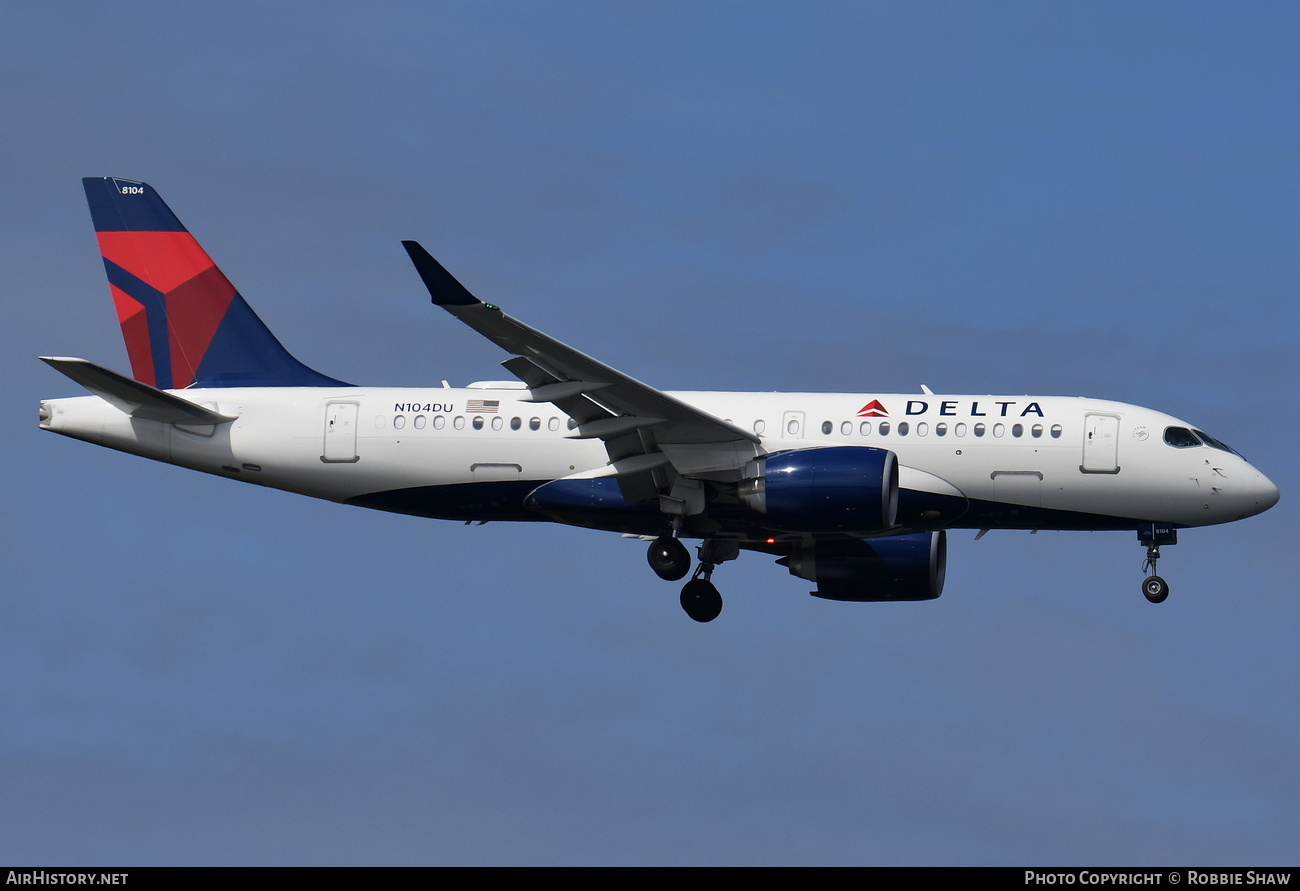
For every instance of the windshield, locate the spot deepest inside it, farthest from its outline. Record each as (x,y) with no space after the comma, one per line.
(1216,444)
(1181,438)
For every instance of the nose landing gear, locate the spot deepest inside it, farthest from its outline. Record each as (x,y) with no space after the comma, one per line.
(1153,535)
(1154,587)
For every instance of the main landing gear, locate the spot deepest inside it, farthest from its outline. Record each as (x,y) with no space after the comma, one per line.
(701,600)
(1153,535)
(671,561)
(669,558)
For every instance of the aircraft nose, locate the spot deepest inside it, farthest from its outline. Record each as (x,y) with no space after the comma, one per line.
(1266,494)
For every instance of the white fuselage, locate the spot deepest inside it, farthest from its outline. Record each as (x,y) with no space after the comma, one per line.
(1063,459)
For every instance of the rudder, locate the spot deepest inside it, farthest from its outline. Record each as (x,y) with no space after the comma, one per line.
(183,321)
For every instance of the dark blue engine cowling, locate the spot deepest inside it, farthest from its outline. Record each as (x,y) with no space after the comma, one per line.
(837,489)
(903,567)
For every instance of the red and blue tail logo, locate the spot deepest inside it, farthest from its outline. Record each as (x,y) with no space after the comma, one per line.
(184,323)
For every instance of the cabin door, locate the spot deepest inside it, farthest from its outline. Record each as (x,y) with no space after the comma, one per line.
(340,433)
(1100,444)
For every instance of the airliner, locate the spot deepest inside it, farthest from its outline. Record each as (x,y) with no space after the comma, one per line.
(853,492)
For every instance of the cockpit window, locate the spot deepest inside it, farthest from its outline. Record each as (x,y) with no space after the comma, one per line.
(1215,444)
(1181,438)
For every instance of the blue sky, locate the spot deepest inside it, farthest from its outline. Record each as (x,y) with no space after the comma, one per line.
(1011,198)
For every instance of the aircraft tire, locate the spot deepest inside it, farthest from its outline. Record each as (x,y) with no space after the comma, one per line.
(669,558)
(701,600)
(1155,589)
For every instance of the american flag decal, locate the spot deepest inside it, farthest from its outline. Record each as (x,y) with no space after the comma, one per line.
(483,406)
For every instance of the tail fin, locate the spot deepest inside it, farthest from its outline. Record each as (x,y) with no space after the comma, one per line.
(184,323)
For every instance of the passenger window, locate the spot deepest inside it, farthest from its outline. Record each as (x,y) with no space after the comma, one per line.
(759,426)
(940,429)
(478,422)
(439,422)
(553,424)
(399,422)
(573,425)
(999,429)
(420,421)
(534,423)
(827,427)
(884,428)
(960,430)
(1056,431)
(1036,431)
(979,429)
(1018,430)
(458,423)
(516,423)
(903,427)
(792,428)
(846,428)
(865,428)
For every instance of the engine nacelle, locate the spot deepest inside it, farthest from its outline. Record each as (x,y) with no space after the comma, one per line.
(902,567)
(835,489)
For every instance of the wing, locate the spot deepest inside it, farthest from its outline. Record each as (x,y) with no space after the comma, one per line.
(657,445)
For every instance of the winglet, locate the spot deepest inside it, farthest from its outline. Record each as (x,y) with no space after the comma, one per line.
(442,285)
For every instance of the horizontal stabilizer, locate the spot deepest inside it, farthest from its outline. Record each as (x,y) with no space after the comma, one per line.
(134,398)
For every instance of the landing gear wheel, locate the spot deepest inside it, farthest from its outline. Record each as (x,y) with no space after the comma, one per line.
(701,600)
(1155,588)
(669,558)
(1153,535)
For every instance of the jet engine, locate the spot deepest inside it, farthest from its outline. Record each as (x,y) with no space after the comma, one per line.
(902,567)
(837,489)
